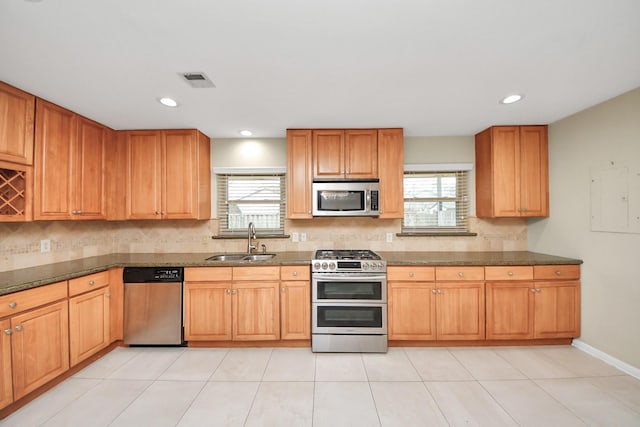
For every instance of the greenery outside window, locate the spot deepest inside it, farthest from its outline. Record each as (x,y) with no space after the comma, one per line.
(245,198)
(436,202)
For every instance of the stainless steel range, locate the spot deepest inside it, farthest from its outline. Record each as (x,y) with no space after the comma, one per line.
(348,301)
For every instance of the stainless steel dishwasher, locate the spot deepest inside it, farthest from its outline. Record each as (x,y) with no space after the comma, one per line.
(153,305)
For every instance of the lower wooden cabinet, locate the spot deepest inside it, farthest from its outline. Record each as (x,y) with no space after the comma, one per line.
(6,381)
(535,309)
(411,311)
(39,347)
(218,308)
(295,307)
(89,324)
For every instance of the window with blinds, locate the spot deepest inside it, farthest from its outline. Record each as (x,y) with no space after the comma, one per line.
(436,202)
(251,198)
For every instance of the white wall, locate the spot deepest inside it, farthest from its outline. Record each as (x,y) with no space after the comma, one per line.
(610,280)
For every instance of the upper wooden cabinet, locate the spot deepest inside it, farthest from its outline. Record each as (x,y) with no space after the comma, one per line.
(167,174)
(351,153)
(69,165)
(391,172)
(512,172)
(299,173)
(15,192)
(16,125)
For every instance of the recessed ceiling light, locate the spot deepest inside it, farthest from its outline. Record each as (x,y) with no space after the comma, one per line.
(246,133)
(168,102)
(511,99)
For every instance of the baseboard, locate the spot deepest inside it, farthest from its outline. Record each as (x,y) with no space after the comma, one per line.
(599,354)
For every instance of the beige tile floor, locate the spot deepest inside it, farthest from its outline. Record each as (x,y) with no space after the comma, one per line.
(498,386)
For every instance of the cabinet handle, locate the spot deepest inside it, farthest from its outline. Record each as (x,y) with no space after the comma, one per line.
(295,273)
(19,328)
(8,331)
(510,273)
(13,304)
(92,282)
(460,274)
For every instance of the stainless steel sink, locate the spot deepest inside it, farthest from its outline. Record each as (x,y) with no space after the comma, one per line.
(241,257)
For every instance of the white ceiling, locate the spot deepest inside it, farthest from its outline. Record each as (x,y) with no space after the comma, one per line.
(433,67)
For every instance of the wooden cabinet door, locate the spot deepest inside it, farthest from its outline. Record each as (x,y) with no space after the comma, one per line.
(17,110)
(180,174)
(328,153)
(411,311)
(56,131)
(509,310)
(256,311)
(40,347)
(361,153)
(299,173)
(391,172)
(116,304)
(207,311)
(506,170)
(534,171)
(144,174)
(295,316)
(88,179)
(557,310)
(460,311)
(6,383)
(89,324)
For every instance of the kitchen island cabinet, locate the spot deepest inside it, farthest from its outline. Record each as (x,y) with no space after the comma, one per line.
(512,172)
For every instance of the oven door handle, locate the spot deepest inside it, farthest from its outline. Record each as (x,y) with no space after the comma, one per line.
(338,277)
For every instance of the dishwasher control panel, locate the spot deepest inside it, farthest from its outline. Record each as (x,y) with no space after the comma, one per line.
(152,274)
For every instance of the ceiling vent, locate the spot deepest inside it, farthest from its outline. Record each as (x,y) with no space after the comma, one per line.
(197,80)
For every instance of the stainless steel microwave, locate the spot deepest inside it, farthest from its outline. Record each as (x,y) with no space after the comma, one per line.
(346,198)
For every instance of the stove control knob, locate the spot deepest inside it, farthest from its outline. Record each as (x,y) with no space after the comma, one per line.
(380,266)
(332,266)
(324,265)
(316,266)
(365,266)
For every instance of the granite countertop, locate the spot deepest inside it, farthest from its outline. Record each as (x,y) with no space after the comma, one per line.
(18,280)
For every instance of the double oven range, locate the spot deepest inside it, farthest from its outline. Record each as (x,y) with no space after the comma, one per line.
(348,301)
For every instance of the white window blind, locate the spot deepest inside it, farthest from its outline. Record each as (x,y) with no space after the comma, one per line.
(436,201)
(245,198)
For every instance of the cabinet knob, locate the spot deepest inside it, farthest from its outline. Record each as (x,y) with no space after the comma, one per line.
(283,290)
(460,274)
(295,273)
(558,273)
(434,291)
(19,328)
(13,304)
(108,295)
(8,331)
(228,291)
(538,290)
(533,290)
(161,212)
(510,273)
(411,274)
(92,282)
(157,212)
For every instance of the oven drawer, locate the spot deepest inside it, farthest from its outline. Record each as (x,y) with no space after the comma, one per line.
(349,288)
(348,318)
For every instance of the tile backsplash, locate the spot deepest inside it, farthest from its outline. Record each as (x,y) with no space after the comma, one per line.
(20,242)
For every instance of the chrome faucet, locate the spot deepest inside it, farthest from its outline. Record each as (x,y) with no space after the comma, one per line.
(251,234)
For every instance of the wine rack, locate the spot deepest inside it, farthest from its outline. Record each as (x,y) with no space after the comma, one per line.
(14,184)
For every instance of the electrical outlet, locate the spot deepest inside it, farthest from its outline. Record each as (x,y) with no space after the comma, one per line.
(45,245)
(303,237)
(295,237)
(389,237)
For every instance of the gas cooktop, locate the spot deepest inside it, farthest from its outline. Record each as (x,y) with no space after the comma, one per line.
(346,254)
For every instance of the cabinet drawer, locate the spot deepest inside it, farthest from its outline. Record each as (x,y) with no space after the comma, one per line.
(256,273)
(25,300)
(88,283)
(411,273)
(207,274)
(295,272)
(509,273)
(459,273)
(556,272)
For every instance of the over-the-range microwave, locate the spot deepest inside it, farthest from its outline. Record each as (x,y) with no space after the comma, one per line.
(346,198)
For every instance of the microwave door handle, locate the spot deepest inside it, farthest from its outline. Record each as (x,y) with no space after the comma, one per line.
(367,207)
